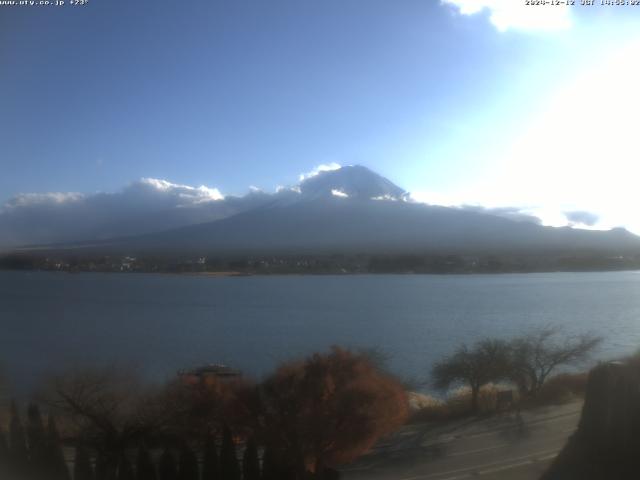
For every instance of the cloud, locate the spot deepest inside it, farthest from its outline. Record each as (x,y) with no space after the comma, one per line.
(511,213)
(184,195)
(516,15)
(320,168)
(339,193)
(582,217)
(151,192)
(146,205)
(283,190)
(518,214)
(435,198)
(33,199)
(388,198)
(566,156)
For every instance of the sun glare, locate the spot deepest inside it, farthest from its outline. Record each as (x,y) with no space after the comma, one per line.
(581,151)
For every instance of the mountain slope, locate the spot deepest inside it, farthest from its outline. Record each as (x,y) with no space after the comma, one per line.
(340,225)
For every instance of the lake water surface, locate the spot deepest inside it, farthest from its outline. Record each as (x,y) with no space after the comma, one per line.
(161,323)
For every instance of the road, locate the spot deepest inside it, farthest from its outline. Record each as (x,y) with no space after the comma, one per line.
(496,448)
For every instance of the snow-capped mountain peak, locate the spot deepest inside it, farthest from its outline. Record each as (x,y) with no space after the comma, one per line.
(354,181)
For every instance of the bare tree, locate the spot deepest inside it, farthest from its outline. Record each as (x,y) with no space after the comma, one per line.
(109,408)
(536,355)
(487,361)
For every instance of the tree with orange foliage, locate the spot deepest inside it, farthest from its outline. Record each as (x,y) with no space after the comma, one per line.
(328,409)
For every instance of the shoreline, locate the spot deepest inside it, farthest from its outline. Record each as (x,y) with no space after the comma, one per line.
(232,273)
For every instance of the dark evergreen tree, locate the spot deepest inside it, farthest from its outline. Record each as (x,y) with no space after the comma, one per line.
(4,455)
(328,474)
(57,464)
(167,467)
(210,464)
(37,442)
(274,467)
(250,461)
(82,469)
(125,470)
(187,464)
(145,468)
(105,470)
(269,465)
(18,453)
(229,469)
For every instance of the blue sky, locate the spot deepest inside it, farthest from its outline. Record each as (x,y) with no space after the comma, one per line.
(495,106)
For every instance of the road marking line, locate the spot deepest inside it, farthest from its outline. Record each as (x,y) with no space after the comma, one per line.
(547,440)
(548,457)
(505,467)
(466,475)
(516,465)
(525,459)
(479,450)
(515,426)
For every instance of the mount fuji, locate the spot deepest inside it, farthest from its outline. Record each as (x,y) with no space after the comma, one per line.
(355,210)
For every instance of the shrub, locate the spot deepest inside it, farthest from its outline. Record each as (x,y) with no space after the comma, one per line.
(458,404)
(562,388)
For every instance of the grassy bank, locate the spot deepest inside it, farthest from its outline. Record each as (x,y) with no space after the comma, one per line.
(560,389)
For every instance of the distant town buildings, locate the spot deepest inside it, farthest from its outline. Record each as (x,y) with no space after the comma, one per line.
(336,264)
(206,373)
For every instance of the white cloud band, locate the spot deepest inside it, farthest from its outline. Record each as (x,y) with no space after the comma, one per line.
(320,168)
(517,15)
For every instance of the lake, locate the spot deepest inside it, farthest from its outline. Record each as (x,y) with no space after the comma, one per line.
(162,323)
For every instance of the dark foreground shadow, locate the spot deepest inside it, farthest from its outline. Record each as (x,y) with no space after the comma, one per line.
(606,445)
